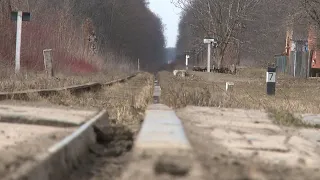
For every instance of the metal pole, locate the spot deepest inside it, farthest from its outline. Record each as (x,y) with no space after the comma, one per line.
(209,56)
(18,42)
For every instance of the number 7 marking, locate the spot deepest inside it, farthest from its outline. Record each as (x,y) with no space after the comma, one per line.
(271,76)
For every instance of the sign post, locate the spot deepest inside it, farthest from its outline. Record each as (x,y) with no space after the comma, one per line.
(187,61)
(209,42)
(271,81)
(19,17)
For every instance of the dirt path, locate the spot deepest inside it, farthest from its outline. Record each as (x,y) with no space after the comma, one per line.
(245,144)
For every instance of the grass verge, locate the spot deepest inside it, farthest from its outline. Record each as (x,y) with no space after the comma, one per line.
(286,118)
(28,81)
(208,89)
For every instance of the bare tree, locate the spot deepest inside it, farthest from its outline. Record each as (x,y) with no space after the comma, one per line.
(222,20)
(312,8)
(253,31)
(121,30)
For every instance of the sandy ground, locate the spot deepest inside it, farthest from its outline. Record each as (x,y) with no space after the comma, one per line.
(29,130)
(239,144)
(20,143)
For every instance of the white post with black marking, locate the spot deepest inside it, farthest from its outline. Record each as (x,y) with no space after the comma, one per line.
(271,81)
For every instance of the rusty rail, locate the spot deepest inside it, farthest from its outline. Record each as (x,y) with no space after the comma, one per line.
(92,86)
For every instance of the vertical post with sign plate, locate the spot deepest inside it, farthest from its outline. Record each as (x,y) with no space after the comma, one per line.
(271,81)
(210,42)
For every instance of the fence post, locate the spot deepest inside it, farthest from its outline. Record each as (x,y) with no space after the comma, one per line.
(47,57)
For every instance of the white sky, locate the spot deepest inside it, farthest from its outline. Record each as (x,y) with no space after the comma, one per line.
(170,16)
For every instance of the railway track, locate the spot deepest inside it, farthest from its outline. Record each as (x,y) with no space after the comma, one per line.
(72,137)
(92,86)
(42,143)
(38,143)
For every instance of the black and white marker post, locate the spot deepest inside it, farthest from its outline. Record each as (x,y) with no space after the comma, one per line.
(271,81)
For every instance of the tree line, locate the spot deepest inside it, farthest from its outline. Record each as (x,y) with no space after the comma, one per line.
(248,31)
(111,33)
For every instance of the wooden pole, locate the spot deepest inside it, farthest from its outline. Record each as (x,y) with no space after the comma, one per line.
(47,57)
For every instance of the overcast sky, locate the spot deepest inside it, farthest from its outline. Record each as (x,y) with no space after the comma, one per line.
(170,16)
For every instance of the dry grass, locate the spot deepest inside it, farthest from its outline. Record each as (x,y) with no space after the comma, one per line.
(25,81)
(125,102)
(179,92)
(286,118)
(292,95)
